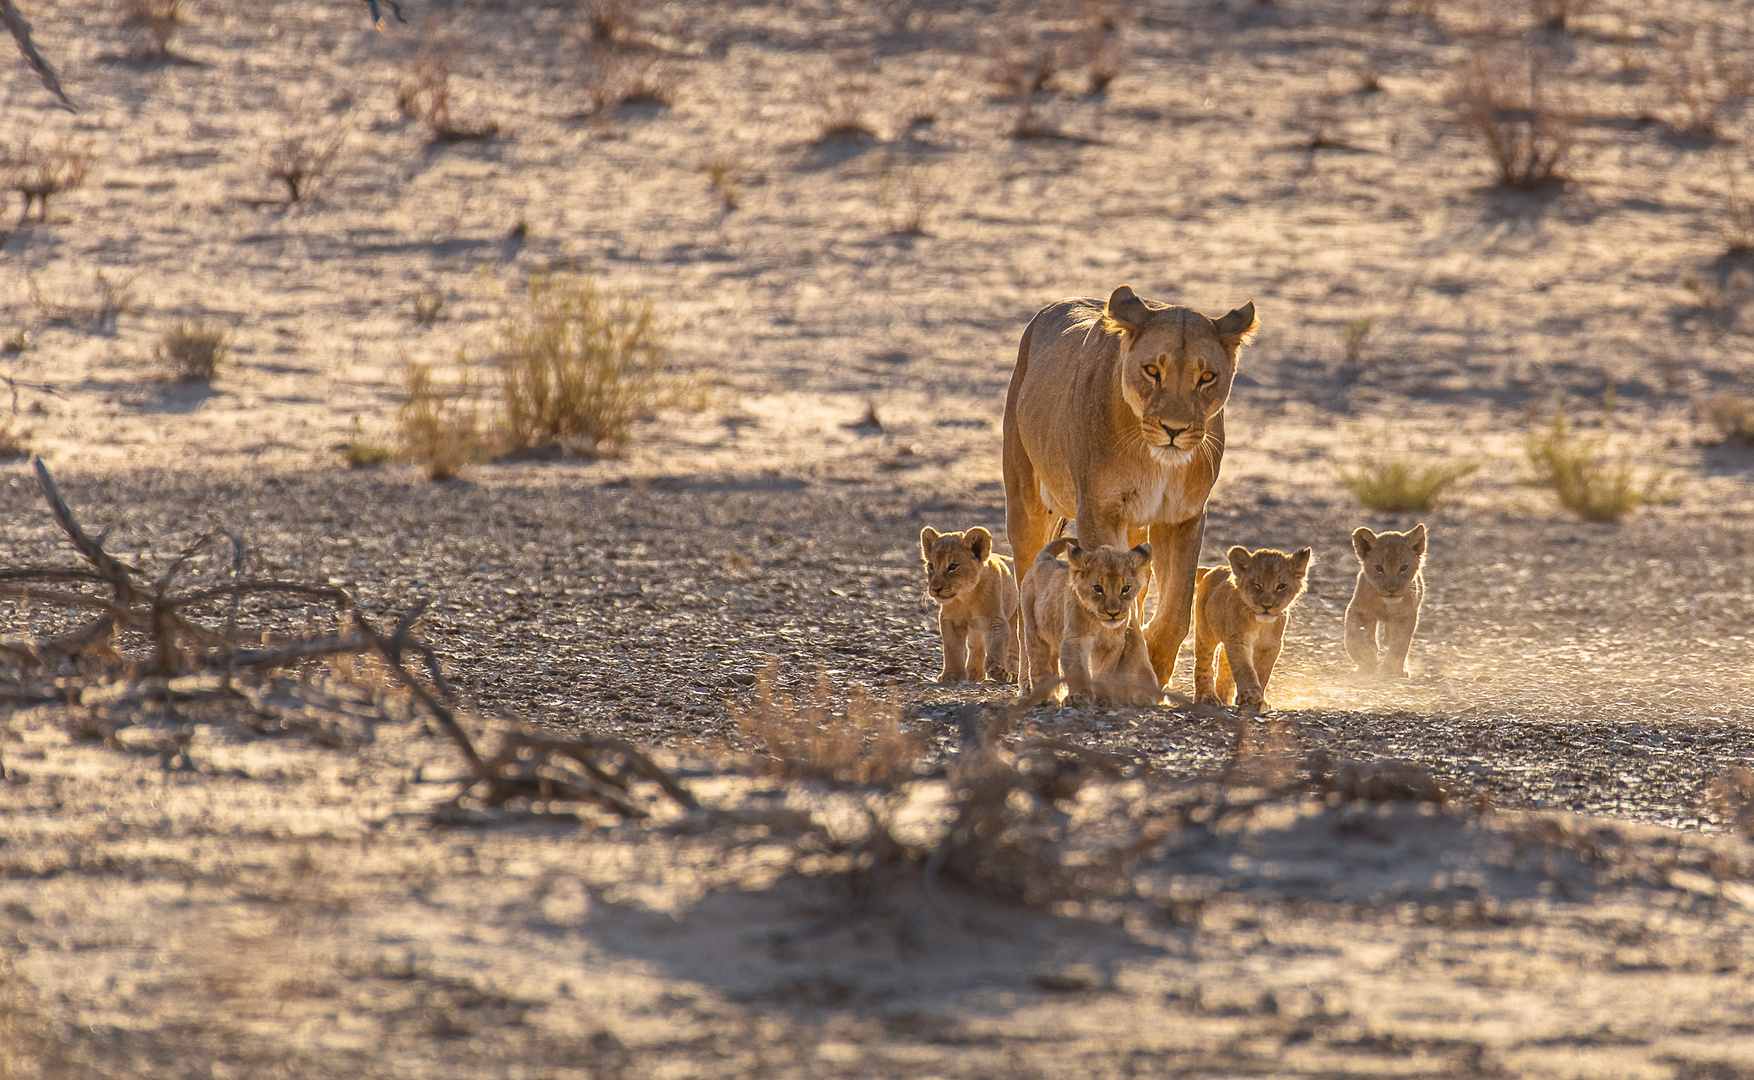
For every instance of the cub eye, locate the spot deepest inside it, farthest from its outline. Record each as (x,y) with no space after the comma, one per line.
(1151,370)
(1403,566)
(1206,379)
(1125,589)
(1379,566)
(1097,589)
(953,566)
(1280,589)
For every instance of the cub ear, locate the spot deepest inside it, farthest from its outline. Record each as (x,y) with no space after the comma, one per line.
(980,541)
(1237,328)
(1363,540)
(1416,537)
(1239,560)
(1125,311)
(928,537)
(1140,556)
(1076,556)
(1300,560)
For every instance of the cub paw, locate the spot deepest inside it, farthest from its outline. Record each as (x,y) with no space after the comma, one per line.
(1000,673)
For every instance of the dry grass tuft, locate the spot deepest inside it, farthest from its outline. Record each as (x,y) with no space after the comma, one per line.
(608,22)
(726,176)
(1732,797)
(14,443)
(424,94)
(437,428)
(842,104)
(1587,484)
(1704,75)
(1505,98)
(1720,303)
(909,192)
(1559,14)
(37,174)
(300,158)
(1393,486)
(867,744)
(1354,335)
(428,306)
(194,349)
(1737,225)
(612,80)
(577,368)
(159,19)
(1732,416)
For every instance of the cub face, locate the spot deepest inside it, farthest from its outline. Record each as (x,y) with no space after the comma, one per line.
(1108,580)
(1269,581)
(1391,561)
(954,560)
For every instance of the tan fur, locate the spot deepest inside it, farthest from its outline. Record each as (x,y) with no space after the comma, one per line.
(977,591)
(1092,434)
(1390,589)
(1079,619)
(1243,609)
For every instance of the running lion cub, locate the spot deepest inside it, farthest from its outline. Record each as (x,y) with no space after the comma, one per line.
(1243,608)
(977,591)
(1391,586)
(1079,619)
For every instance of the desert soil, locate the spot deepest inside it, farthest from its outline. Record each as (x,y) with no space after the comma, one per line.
(1575,910)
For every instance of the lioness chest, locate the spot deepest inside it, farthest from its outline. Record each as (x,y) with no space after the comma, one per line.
(1161,496)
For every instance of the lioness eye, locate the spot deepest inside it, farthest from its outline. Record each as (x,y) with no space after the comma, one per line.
(1207,379)
(1151,370)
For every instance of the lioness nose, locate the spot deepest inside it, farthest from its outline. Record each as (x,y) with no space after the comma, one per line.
(1174,433)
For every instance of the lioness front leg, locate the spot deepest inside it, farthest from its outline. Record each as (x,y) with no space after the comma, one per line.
(955,635)
(1175,557)
(1360,639)
(1397,640)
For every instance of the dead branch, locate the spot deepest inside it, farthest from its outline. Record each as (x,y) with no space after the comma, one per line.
(21,33)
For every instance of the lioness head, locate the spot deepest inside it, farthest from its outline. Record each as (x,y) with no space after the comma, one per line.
(1391,560)
(954,560)
(1107,580)
(1177,366)
(1269,581)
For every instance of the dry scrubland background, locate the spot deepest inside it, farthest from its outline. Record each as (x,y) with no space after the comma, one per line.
(289,908)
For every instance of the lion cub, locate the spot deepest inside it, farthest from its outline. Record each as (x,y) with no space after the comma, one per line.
(1244,608)
(977,591)
(1079,620)
(1391,586)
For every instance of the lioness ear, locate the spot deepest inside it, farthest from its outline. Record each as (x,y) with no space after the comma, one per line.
(1416,536)
(928,537)
(1239,560)
(1362,541)
(980,541)
(1140,556)
(1125,311)
(1237,328)
(1300,560)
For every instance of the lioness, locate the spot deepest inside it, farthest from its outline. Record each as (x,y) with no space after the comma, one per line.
(1391,586)
(977,593)
(1243,608)
(1115,419)
(1078,620)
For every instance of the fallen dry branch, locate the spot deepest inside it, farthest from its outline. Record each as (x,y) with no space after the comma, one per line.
(20,30)
(196,672)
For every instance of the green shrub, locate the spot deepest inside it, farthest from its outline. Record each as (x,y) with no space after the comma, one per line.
(437,428)
(578,368)
(1577,469)
(1392,486)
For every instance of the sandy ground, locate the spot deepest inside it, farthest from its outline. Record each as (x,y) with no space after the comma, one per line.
(1562,668)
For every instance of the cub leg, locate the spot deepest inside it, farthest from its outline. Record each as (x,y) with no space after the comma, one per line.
(1360,640)
(1397,639)
(1205,690)
(976,671)
(955,635)
(1242,666)
(1042,665)
(1226,681)
(1000,644)
(1075,665)
(1266,655)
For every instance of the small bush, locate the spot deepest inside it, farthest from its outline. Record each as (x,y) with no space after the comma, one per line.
(841,103)
(1720,303)
(1355,334)
(866,744)
(159,19)
(428,306)
(611,80)
(299,157)
(1575,467)
(909,193)
(366,455)
(725,176)
(38,174)
(1737,226)
(1392,486)
(577,368)
(1559,14)
(1703,74)
(16,342)
(114,299)
(608,22)
(1732,416)
(14,444)
(1526,126)
(195,350)
(437,428)
(424,93)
